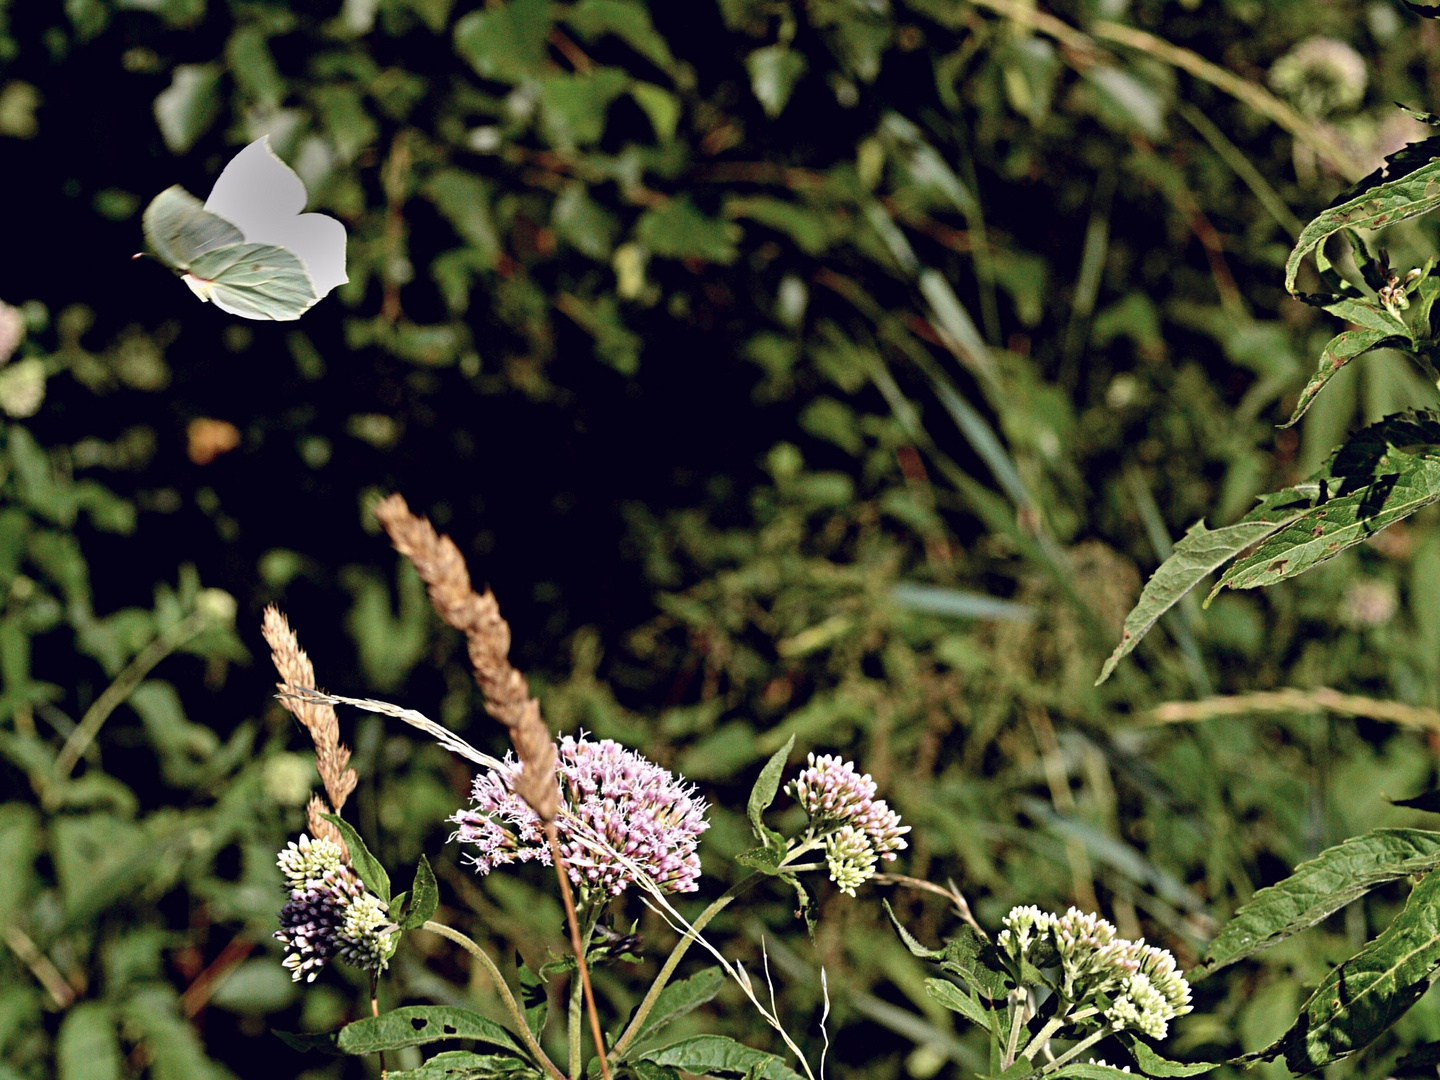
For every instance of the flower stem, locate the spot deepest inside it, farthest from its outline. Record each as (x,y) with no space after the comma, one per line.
(676,955)
(1054,1024)
(517,1017)
(1079,1048)
(1017,1018)
(579,942)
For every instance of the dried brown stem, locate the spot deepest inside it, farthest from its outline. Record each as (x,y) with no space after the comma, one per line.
(577,942)
(332,757)
(487,636)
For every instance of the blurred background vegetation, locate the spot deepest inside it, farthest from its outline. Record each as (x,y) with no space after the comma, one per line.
(834,369)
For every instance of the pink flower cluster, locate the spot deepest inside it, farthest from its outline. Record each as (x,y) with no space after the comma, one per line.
(612,801)
(834,795)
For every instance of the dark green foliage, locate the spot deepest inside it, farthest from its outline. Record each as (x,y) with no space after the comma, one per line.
(420,1025)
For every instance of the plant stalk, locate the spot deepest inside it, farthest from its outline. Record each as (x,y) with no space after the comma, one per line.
(579,943)
(517,1016)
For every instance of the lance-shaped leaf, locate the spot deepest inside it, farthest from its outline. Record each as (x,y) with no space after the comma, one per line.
(1359,1000)
(717,1055)
(1406,186)
(371,872)
(417,1025)
(1384,473)
(1199,553)
(463,1065)
(1089,1070)
(957,1000)
(763,794)
(1321,887)
(1343,348)
(1152,1064)
(680,998)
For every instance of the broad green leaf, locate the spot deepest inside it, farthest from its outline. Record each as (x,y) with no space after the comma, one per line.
(1318,888)
(187,108)
(763,794)
(957,1000)
(716,1055)
(1343,348)
(1359,1000)
(88,1046)
(534,999)
(627,20)
(677,230)
(464,199)
(1384,473)
(179,229)
(573,108)
(505,41)
(1152,1064)
(424,896)
(463,1065)
(365,864)
(417,1025)
(1406,186)
(972,958)
(680,998)
(254,281)
(1199,553)
(774,71)
(660,105)
(811,230)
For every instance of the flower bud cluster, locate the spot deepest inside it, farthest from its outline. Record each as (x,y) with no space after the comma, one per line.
(614,802)
(860,829)
(1143,984)
(329,912)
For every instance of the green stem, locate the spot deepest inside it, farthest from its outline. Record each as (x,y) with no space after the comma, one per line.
(1054,1024)
(676,955)
(577,988)
(1017,1018)
(517,1016)
(166,642)
(1076,1050)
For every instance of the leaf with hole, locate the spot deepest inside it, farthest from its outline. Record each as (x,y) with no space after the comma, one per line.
(418,1025)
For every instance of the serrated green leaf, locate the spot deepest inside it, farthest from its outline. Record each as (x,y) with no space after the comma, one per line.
(1406,186)
(1384,473)
(975,960)
(1343,348)
(1152,1064)
(911,942)
(463,1065)
(365,864)
(1320,887)
(425,896)
(762,794)
(417,1025)
(1087,1070)
(680,998)
(716,1055)
(1358,1001)
(1199,553)
(957,1000)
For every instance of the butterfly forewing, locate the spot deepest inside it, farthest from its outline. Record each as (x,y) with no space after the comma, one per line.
(254,281)
(179,229)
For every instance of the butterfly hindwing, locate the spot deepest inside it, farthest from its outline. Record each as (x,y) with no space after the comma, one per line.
(254,281)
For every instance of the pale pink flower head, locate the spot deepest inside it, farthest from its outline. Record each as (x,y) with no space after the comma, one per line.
(833,794)
(612,802)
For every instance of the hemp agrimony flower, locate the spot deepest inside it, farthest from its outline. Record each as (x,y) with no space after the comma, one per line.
(858,828)
(1132,984)
(329,912)
(610,798)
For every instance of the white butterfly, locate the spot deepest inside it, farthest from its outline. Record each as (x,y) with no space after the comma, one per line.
(249,249)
